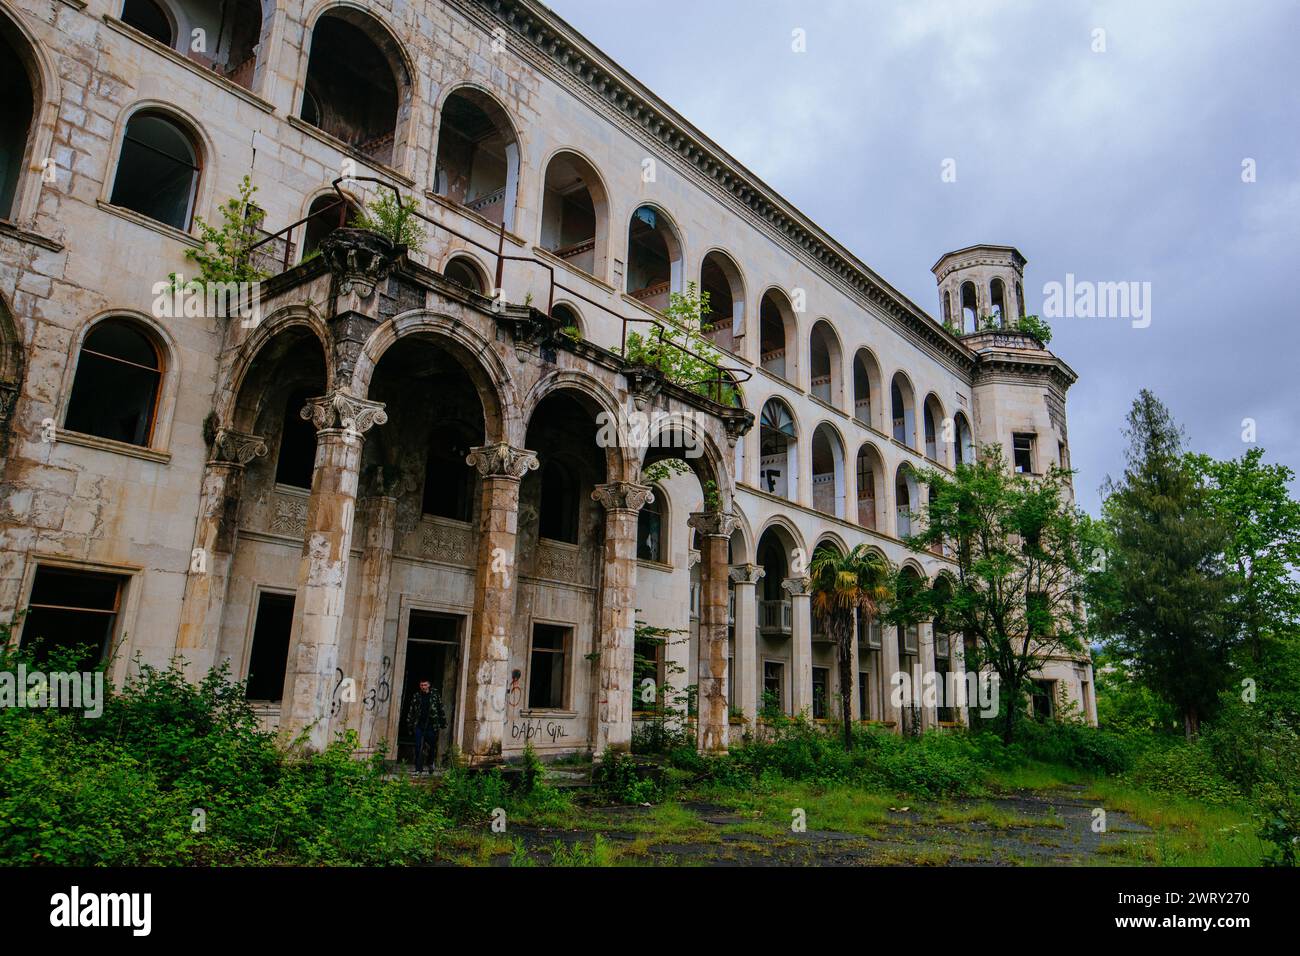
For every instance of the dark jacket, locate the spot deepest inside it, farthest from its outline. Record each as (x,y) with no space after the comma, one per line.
(435,718)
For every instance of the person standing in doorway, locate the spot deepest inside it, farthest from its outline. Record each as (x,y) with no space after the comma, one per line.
(425,717)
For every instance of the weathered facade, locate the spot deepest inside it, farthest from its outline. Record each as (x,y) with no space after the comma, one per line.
(397,467)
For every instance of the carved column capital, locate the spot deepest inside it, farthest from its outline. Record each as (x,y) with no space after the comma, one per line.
(747,573)
(798,587)
(339,409)
(359,258)
(623,496)
(237,448)
(502,460)
(713,523)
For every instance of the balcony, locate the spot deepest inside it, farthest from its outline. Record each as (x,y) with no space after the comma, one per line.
(775,617)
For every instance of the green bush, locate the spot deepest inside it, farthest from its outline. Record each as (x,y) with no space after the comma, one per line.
(619,777)
(1185,770)
(1078,745)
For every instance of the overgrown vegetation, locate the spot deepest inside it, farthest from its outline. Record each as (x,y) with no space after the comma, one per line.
(394,218)
(680,351)
(226,253)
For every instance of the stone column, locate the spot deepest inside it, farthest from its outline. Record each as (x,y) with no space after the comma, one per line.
(745,578)
(313,676)
(198,634)
(855,708)
(370,666)
(715,530)
(929,712)
(800,591)
(957,665)
(501,467)
(889,708)
(617,635)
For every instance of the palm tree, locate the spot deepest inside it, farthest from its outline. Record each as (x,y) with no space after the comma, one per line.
(842,585)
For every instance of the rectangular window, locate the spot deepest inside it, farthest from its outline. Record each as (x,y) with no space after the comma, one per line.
(647,665)
(864,695)
(1044,697)
(270,652)
(69,609)
(773,688)
(547,663)
(821,680)
(1022,447)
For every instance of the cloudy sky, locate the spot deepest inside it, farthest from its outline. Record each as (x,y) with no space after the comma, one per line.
(1117,165)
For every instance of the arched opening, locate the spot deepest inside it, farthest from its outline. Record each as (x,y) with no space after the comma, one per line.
(575,214)
(907,500)
(327,213)
(221,35)
(871,488)
(866,387)
(158,169)
(825,360)
(117,383)
(569,319)
(563,432)
(776,334)
(902,401)
(720,278)
(947,307)
(778,465)
(465,272)
(357,87)
(775,623)
(969,308)
(828,471)
(16,113)
(654,258)
(963,444)
(997,299)
(909,651)
(652,528)
(933,421)
(151,20)
(478,156)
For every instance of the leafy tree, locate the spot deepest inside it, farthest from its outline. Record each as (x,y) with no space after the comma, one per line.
(1253,502)
(842,586)
(1166,593)
(1022,552)
(680,350)
(225,255)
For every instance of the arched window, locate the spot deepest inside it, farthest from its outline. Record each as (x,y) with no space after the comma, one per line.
(828,472)
(932,421)
(356,83)
(779,457)
(115,391)
(903,407)
(866,387)
(997,296)
(650,538)
(969,308)
(906,498)
(1020,300)
(478,157)
(871,488)
(327,213)
(776,333)
(963,446)
(150,19)
(296,460)
(15,117)
(720,278)
(575,214)
(464,272)
(824,358)
(158,170)
(654,258)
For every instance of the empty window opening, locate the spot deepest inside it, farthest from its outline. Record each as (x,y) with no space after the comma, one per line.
(572,226)
(150,19)
(297,458)
(1044,699)
(904,412)
(997,297)
(269,655)
(326,213)
(568,319)
(964,448)
(449,482)
(864,695)
(478,158)
(969,307)
(352,90)
(821,688)
(932,416)
(870,485)
(824,357)
(558,519)
(654,258)
(465,274)
(547,667)
(115,391)
(1022,448)
(648,665)
(15,120)
(773,702)
(778,450)
(725,322)
(828,472)
(649,530)
(157,171)
(71,609)
(866,381)
(774,324)
(904,496)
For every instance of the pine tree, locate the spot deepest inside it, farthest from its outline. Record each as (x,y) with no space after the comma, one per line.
(1166,593)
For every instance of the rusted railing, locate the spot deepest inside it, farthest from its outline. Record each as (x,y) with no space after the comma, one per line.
(724,376)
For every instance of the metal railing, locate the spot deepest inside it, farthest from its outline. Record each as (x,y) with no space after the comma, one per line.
(722,377)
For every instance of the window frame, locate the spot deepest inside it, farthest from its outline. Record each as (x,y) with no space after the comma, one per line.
(566,673)
(190,131)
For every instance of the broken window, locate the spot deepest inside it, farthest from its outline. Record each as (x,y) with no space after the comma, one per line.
(115,391)
(478,158)
(297,459)
(150,19)
(1022,448)
(15,118)
(864,695)
(72,609)
(1044,699)
(778,462)
(355,83)
(821,684)
(547,667)
(773,701)
(448,480)
(654,258)
(269,656)
(649,530)
(158,170)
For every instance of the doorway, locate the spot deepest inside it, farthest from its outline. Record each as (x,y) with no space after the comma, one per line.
(432,654)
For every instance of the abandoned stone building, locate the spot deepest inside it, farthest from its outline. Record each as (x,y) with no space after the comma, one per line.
(395,469)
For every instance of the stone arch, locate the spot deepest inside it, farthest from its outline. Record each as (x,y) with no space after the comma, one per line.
(778,447)
(682,431)
(568,314)
(834,540)
(873,494)
(969,306)
(655,256)
(826,364)
(493,383)
(867,384)
(477,162)
(261,363)
(963,446)
(742,540)
(829,472)
(907,500)
(933,419)
(575,212)
(368,106)
(227,407)
(20,185)
(778,334)
(902,409)
(722,278)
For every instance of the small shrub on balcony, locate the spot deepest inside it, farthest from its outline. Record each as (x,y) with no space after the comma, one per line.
(1033,325)
(394,218)
(683,355)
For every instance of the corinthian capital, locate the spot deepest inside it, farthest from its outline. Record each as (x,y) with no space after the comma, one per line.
(797,586)
(502,460)
(747,573)
(623,496)
(339,409)
(713,523)
(237,448)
